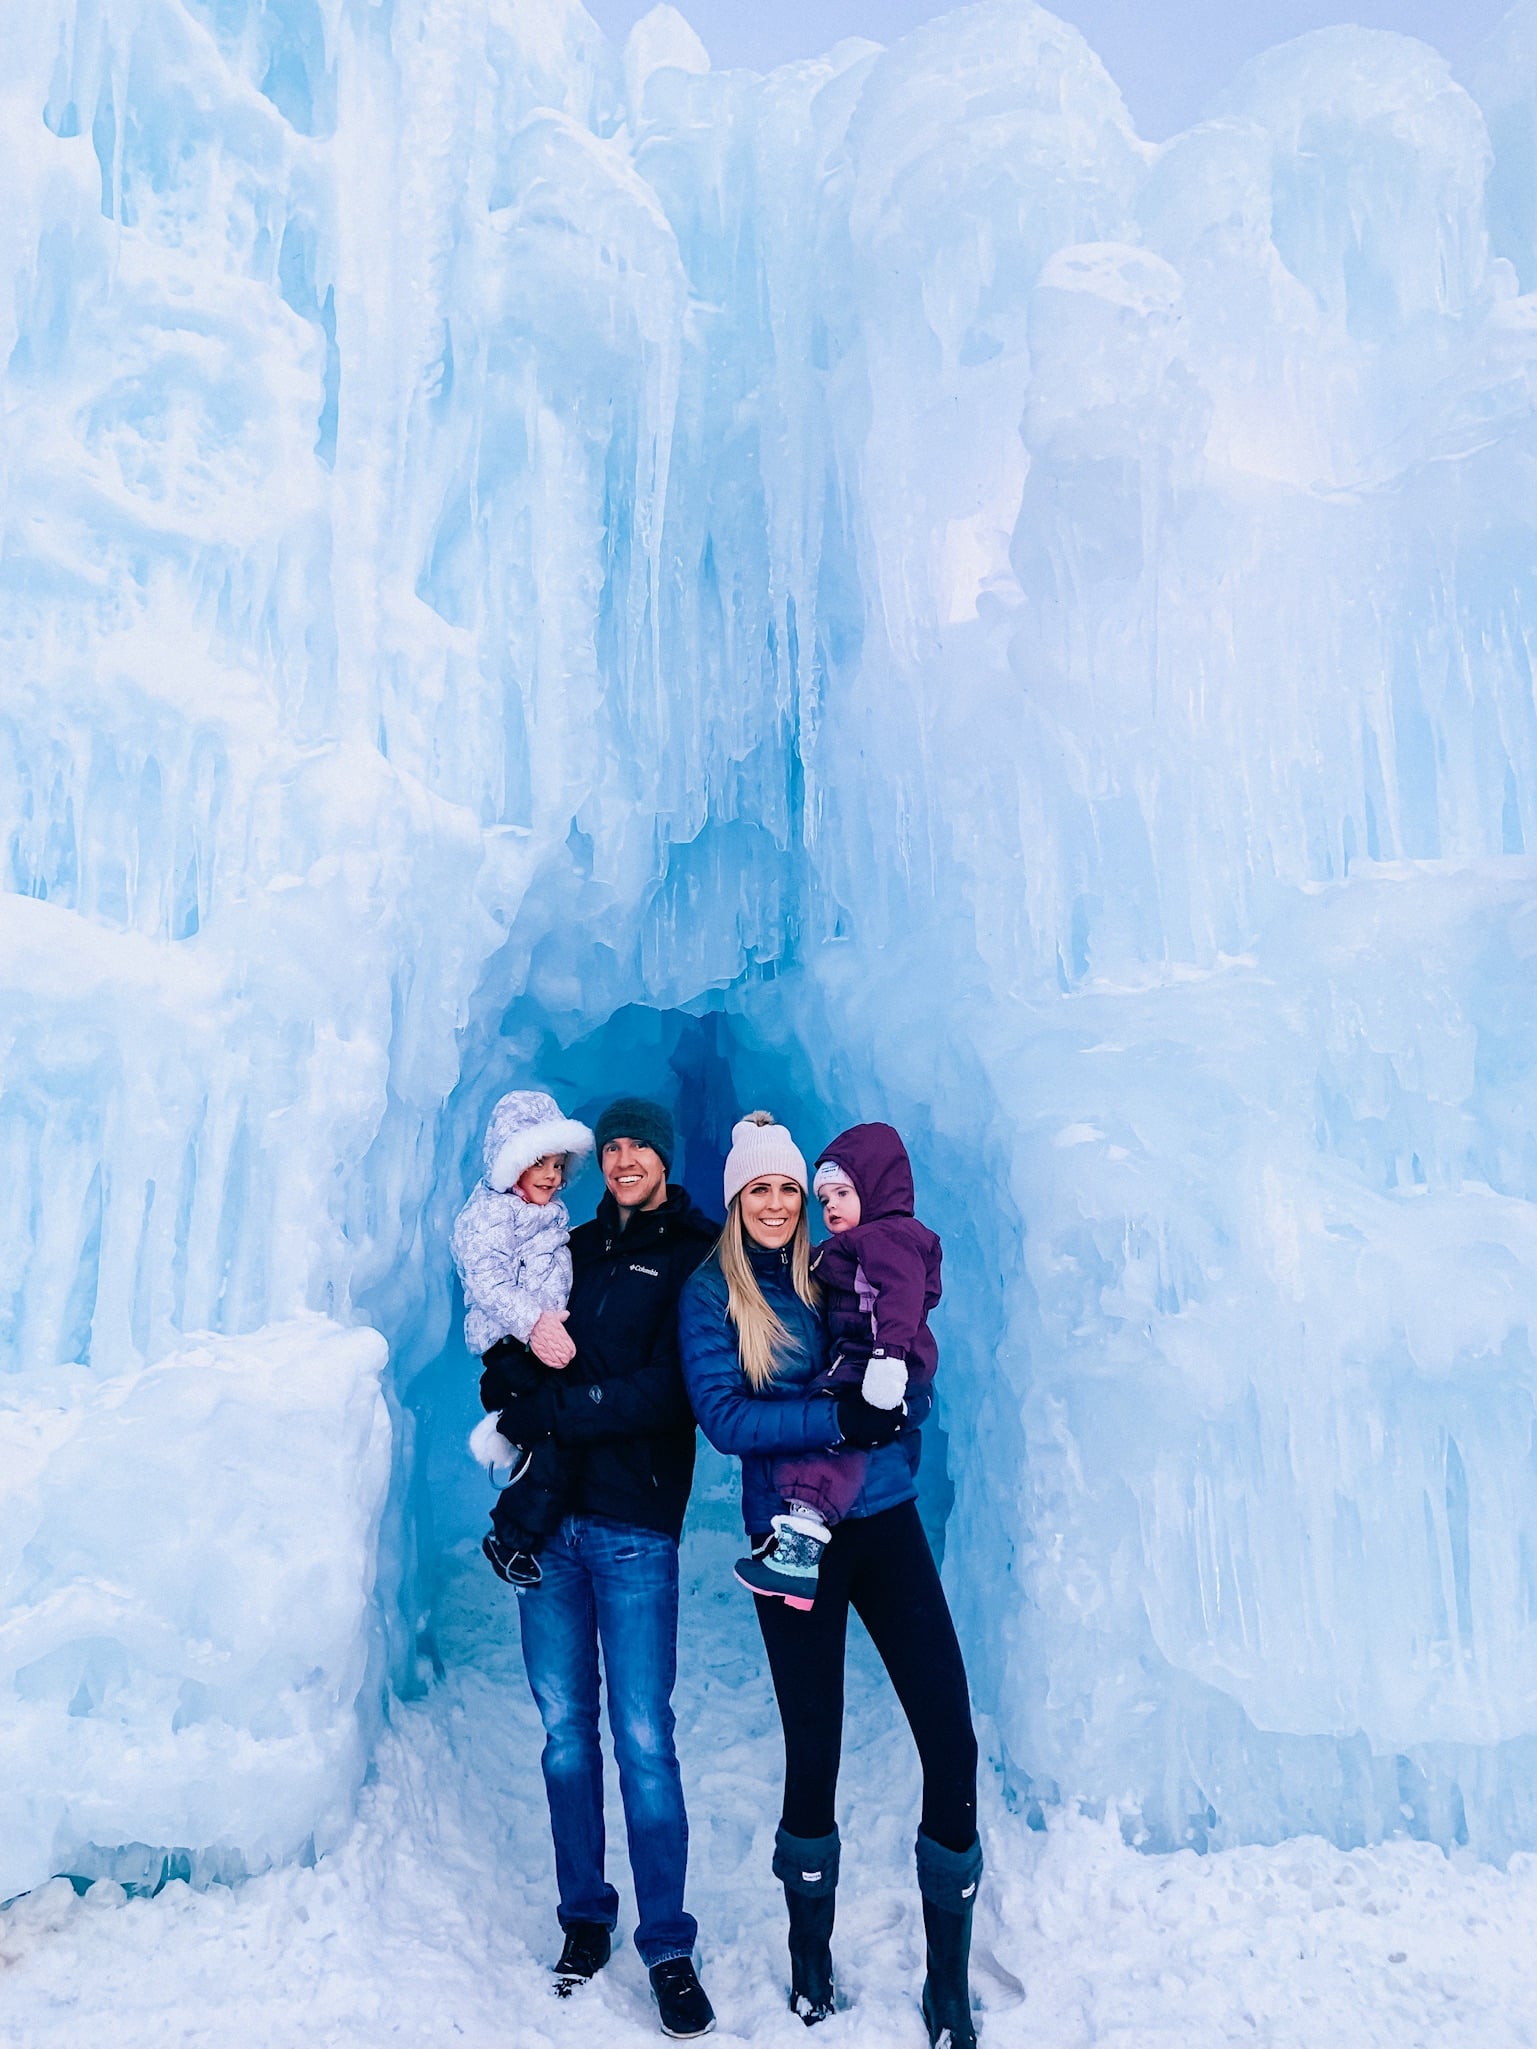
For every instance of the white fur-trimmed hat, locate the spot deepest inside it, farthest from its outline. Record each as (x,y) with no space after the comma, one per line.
(760,1146)
(524,1127)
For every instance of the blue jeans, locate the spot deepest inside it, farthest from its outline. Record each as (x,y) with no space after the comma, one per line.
(612,1584)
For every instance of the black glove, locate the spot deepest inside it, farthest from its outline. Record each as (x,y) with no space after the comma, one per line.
(493,1388)
(502,1369)
(528,1418)
(864,1427)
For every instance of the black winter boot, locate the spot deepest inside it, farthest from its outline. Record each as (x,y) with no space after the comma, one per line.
(583,1955)
(681,2005)
(807,1867)
(948,1881)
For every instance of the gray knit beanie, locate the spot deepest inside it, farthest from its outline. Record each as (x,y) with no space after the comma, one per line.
(637,1118)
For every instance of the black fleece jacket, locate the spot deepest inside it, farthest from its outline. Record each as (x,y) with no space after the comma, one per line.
(619,1409)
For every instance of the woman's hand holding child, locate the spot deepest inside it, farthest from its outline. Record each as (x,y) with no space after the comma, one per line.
(862,1426)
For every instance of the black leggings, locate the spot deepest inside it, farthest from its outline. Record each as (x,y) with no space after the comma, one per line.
(882,1567)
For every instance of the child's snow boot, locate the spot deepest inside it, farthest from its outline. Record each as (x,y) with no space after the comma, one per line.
(807,1867)
(520,1569)
(948,1880)
(788,1568)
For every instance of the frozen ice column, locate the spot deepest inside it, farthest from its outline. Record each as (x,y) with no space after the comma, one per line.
(190,1654)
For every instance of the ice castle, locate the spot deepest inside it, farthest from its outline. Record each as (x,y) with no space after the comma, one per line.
(870,589)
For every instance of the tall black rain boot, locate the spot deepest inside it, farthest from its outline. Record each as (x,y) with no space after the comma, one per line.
(807,1867)
(948,1881)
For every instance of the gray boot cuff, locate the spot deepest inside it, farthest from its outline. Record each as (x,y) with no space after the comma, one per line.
(807,1864)
(948,1877)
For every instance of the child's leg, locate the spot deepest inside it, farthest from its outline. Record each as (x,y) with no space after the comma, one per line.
(512,1533)
(527,1515)
(818,1490)
(827,1482)
(534,1509)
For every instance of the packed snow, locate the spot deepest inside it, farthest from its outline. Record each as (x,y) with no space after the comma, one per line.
(871,590)
(433,1922)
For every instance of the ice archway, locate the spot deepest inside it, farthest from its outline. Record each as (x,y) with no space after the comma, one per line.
(1031,631)
(707,1064)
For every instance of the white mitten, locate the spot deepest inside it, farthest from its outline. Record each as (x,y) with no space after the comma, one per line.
(488,1447)
(885,1381)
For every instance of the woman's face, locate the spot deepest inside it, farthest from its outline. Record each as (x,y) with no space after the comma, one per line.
(771,1207)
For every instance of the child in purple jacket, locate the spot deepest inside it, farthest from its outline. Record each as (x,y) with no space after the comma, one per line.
(879,1275)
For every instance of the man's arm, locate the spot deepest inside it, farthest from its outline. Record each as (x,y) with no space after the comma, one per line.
(650,1402)
(647,1401)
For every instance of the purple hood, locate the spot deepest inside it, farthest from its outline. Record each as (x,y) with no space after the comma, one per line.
(876,1162)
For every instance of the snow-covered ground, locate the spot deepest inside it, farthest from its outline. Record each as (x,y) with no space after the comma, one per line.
(434,1922)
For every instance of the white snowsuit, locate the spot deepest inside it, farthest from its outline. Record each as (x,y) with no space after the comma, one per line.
(512,1255)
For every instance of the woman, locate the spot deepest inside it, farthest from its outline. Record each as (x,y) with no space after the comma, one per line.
(752,1343)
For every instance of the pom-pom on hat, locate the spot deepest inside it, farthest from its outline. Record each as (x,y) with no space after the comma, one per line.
(760,1146)
(641,1121)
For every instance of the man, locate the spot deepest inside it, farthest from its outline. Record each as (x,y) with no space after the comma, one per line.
(610,1573)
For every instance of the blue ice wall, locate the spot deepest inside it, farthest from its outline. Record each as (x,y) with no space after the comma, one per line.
(505,534)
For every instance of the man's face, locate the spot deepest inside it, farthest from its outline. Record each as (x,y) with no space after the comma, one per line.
(635,1175)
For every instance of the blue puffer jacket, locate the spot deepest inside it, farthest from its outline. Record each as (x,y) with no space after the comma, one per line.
(784,1419)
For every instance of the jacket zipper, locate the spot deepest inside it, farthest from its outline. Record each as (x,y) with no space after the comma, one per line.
(613,1269)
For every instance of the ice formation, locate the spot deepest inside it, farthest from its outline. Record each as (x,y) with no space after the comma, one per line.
(528,563)
(188,1548)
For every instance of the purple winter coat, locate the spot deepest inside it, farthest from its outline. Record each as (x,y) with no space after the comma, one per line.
(882,1278)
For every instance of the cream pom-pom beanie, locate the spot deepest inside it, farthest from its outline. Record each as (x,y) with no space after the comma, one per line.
(759,1146)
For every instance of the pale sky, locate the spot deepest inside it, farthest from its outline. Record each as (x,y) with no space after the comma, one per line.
(1169,57)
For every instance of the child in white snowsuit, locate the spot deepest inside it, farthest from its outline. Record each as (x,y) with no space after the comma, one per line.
(510,1245)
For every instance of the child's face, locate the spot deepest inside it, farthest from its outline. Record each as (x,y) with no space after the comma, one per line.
(543,1179)
(840,1205)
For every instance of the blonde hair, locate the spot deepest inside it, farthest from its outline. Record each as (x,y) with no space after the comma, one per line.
(759,1332)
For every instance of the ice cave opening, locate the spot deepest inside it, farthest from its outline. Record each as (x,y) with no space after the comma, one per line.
(708,1064)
